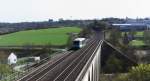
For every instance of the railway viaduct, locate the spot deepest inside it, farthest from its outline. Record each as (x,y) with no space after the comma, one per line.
(83,65)
(91,71)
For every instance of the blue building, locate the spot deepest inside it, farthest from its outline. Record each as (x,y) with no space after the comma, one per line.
(131,27)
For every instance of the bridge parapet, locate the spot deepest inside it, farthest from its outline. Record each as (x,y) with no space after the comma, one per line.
(91,70)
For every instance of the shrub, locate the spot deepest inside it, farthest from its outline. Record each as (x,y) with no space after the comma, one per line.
(140,73)
(137,73)
(113,65)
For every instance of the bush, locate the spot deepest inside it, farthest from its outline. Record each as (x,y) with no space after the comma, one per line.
(137,73)
(140,73)
(113,65)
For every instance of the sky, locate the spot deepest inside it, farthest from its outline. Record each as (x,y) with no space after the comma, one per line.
(42,10)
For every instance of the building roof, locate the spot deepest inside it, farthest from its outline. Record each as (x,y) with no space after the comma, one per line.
(12,55)
(121,24)
(79,39)
(129,24)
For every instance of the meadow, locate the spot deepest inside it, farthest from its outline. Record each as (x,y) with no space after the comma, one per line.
(53,36)
(137,43)
(140,33)
(138,38)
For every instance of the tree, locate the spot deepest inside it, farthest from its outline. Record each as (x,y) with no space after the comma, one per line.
(114,20)
(140,73)
(70,41)
(28,47)
(99,25)
(147,37)
(115,36)
(86,32)
(136,73)
(113,64)
(50,20)
(47,48)
(125,39)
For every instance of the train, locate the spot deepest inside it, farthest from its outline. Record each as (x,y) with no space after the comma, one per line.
(79,43)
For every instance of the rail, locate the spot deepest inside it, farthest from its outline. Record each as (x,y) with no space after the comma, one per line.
(52,74)
(85,68)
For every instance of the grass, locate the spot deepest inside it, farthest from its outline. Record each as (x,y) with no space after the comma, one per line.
(137,43)
(137,33)
(139,39)
(53,36)
(122,33)
(141,33)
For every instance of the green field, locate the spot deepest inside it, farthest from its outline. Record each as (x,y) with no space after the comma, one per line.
(53,36)
(137,43)
(141,34)
(137,33)
(122,33)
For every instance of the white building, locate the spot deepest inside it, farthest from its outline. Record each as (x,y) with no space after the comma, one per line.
(37,58)
(12,59)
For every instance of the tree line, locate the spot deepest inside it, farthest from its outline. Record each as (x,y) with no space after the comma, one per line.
(13,27)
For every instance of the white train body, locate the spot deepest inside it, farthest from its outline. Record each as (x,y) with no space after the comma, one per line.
(79,43)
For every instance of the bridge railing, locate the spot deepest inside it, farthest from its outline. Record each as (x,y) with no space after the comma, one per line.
(121,53)
(83,72)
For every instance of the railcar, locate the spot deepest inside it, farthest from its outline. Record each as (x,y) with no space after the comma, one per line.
(79,43)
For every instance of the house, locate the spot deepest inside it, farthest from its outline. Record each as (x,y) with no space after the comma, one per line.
(12,59)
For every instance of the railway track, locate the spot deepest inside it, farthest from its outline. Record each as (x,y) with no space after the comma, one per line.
(64,68)
(44,67)
(76,64)
(78,68)
(59,74)
(51,74)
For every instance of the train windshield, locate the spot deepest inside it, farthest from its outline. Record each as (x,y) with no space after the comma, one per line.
(76,42)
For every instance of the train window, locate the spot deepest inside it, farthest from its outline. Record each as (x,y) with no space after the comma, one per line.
(76,42)
(82,42)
